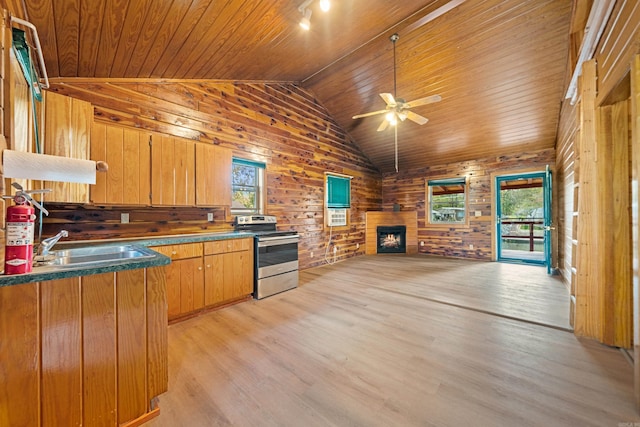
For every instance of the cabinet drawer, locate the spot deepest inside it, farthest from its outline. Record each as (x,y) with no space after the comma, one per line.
(188,250)
(230,245)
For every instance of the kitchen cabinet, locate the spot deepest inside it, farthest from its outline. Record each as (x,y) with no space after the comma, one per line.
(88,350)
(213,175)
(128,153)
(172,171)
(228,270)
(207,274)
(185,278)
(66,132)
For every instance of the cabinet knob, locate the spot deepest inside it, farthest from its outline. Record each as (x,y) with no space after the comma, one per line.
(199,268)
(208,265)
(173,252)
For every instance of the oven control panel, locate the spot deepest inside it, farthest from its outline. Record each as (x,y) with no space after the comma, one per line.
(255,219)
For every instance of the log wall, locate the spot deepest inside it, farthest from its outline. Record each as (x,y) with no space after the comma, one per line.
(281,125)
(408,189)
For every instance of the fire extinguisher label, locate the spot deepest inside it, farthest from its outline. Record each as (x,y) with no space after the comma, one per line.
(20,233)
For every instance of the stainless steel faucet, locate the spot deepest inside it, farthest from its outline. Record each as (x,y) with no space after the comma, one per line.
(47,244)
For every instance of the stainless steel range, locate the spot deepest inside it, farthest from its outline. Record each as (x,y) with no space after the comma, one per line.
(276,255)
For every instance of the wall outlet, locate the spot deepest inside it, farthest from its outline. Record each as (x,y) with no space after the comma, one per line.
(335,250)
(124,218)
(210,216)
(421,242)
(357,246)
(478,213)
(311,255)
(470,245)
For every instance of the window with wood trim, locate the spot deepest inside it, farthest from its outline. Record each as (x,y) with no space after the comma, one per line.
(447,201)
(247,187)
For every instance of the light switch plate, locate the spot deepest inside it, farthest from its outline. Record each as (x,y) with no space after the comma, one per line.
(478,213)
(210,216)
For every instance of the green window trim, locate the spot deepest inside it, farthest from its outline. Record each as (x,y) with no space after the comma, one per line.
(246,162)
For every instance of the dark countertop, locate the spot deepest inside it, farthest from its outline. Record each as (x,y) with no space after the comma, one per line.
(44,273)
(175,239)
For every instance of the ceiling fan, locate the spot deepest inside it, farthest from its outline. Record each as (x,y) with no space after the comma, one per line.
(398,108)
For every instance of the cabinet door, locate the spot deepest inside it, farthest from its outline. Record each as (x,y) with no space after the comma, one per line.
(246,265)
(127,151)
(205,175)
(172,272)
(229,276)
(66,133)
(213,279)
(222,177)
(191,284)
(213,175)
(173,171)
(237,274)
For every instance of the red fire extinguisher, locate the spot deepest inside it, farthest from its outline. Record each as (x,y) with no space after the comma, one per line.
(18,255)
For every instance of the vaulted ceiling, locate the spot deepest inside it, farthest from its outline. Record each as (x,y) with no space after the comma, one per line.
(499,65)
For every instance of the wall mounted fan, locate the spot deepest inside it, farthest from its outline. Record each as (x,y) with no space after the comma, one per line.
(398,108)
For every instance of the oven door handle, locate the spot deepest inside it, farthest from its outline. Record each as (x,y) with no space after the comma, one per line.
(277,240)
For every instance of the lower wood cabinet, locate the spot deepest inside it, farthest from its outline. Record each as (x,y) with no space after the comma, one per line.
(228,270)
(185,278)
(83,351)
(207,274)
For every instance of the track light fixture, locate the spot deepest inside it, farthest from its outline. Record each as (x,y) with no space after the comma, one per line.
(305,22)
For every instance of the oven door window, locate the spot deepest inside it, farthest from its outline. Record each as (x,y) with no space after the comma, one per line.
(277,254)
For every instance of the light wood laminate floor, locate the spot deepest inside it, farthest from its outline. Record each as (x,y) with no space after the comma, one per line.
(351,347)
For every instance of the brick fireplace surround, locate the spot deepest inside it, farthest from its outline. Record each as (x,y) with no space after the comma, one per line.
(376,218)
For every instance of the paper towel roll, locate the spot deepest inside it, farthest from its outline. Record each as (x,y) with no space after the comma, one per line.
(17,164)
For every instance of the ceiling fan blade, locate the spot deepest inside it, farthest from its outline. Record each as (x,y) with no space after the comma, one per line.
(422,101)
(416,118)
(389,99)
(383,125)
(373,113)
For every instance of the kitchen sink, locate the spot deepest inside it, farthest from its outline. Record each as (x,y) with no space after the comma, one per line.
(92,255)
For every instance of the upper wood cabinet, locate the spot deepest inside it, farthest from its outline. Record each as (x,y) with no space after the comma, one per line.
(128,153)
(213,175)
(172,171)
(67,133)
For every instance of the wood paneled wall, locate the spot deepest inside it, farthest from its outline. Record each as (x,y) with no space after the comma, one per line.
(567,160)
(279,124)
(593,165)
(408,190)
(616,49)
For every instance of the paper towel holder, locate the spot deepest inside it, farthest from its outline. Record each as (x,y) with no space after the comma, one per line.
(50,168)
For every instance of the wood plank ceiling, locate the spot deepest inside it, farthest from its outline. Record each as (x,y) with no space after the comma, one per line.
(499,65)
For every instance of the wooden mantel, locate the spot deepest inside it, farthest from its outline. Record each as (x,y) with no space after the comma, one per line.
(407,218)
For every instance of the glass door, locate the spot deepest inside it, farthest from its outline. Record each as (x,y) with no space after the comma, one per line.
(523,209)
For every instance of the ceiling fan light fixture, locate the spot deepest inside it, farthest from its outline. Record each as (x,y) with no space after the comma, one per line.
(325,5)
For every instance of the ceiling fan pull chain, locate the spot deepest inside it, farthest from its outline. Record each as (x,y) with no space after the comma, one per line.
(396,144)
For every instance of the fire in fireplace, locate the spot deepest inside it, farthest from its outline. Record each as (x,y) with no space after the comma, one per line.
(392,239)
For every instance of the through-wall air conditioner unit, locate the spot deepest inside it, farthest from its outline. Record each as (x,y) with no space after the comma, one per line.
(336,217)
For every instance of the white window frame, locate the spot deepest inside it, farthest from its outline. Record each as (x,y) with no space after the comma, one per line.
(259,188)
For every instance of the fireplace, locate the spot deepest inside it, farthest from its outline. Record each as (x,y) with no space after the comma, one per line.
(392,239)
